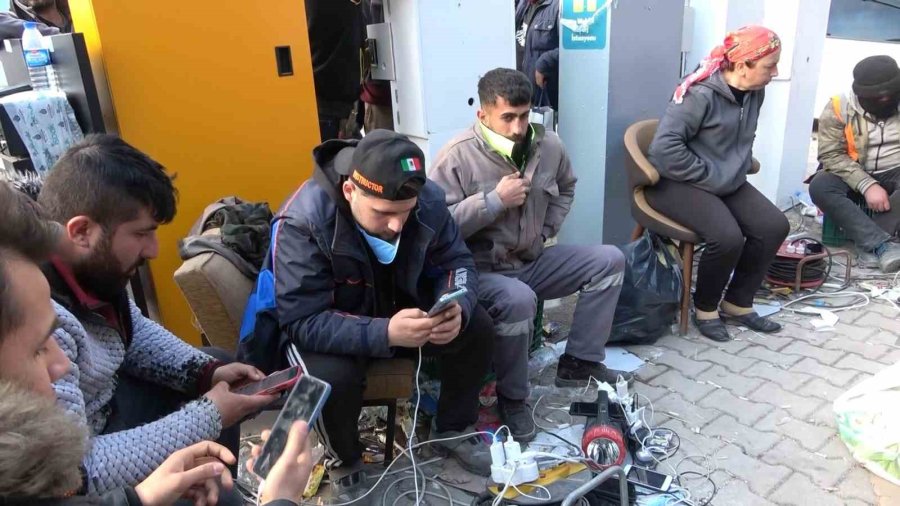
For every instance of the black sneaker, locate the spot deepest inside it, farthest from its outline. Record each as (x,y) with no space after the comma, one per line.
(574,372)
(517,416)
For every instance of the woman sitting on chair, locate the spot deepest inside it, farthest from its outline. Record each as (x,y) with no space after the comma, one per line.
(703,151)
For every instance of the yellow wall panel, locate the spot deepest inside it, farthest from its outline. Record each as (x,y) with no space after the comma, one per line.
(195,86)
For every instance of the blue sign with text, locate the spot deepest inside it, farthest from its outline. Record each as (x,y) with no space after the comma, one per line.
(584,24)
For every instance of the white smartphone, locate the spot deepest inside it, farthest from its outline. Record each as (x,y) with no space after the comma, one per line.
(303,404)
(642,477)
(445,300)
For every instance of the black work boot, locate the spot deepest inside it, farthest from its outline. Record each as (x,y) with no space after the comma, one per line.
(517,416)
(574,372)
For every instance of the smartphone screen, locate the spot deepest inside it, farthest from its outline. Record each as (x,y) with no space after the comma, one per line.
(651,479)
(273,383)
(445,300)
(303,404)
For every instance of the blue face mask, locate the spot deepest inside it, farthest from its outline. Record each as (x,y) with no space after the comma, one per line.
(384,251)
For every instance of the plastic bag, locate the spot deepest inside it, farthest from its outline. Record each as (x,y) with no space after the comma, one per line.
(651,292)
(868,417)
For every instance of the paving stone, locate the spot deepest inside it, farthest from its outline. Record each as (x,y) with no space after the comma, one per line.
(781,358)
(808,334)
(746,411)
(823,471)
(800,407)
(737,492)
(774,342)
(853,331)
(702,488)
(751,441)
(824,356)
(877,321)
(731,362)
(835,376)
(886,338)
(693,445)
(853,361)
(738,343)
(824,417)
(891,358)
(685,366)
(759,476)
(674,405)
(799,490)
(685,346)
(790,381)
(649,371)
(653,393)
(645,351)
(857,485)
(887,492)
(821,389)
(675,381)
(866,349)
(836,449)
(810,436)
(738,384)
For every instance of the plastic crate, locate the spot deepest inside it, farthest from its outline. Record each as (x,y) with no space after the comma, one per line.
(834,235)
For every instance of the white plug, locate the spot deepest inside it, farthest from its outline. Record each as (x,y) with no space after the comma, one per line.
(510,465)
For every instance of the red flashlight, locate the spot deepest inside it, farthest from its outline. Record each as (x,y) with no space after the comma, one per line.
(602,442)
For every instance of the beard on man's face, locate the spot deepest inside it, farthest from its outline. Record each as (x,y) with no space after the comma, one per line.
(41,4)
(102,275)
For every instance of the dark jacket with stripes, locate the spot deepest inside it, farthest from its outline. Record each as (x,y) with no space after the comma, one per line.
(325,288)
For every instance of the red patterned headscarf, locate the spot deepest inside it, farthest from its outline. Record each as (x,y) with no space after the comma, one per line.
(749,43)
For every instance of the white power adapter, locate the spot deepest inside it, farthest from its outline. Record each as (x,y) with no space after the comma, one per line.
(510,465)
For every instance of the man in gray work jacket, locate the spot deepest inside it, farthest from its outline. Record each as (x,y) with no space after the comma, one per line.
(510,185)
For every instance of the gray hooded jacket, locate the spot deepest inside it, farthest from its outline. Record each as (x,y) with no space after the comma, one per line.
(707,140)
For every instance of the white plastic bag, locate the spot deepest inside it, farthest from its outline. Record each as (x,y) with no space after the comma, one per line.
(868,420)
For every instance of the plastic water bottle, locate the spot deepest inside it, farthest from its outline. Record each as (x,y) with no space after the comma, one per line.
(37,58)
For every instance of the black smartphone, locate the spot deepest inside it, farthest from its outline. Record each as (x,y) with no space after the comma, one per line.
(303,404)
(583,409)
(273,383)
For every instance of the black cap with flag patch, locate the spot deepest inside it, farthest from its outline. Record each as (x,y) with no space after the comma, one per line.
(384,164)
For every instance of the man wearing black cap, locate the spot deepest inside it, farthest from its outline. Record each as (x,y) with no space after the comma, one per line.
(361,252)
(859,148)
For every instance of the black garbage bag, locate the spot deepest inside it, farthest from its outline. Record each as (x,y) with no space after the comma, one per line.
(651,292)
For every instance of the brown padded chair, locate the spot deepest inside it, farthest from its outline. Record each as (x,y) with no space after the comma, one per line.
(217,292)
(641,174)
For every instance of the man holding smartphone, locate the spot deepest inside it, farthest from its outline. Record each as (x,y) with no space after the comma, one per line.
(360,253)
(509,185)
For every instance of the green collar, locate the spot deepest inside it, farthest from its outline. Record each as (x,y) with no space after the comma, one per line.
(501,144)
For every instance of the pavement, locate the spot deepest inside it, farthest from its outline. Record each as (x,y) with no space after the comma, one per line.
(755,413)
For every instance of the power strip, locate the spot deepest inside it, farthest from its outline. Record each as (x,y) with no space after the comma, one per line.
(509,466)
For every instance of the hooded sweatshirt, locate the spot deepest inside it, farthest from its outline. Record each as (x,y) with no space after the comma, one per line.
(328,296)
(707,140)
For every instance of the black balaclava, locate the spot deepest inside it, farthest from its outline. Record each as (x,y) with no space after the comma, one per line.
(876,83)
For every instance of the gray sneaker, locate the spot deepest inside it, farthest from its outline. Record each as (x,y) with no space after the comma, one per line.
(888,257)
(472,453)
(866,260)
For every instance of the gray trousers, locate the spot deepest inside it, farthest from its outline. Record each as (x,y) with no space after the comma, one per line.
(511,300)
(837,200)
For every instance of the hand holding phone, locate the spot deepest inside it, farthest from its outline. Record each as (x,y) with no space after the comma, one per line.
(272,384)
(304,404)
(445,300)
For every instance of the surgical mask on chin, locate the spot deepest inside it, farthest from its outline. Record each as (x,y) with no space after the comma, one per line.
(384,251)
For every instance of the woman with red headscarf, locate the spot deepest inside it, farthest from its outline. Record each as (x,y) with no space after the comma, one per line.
(703,151)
